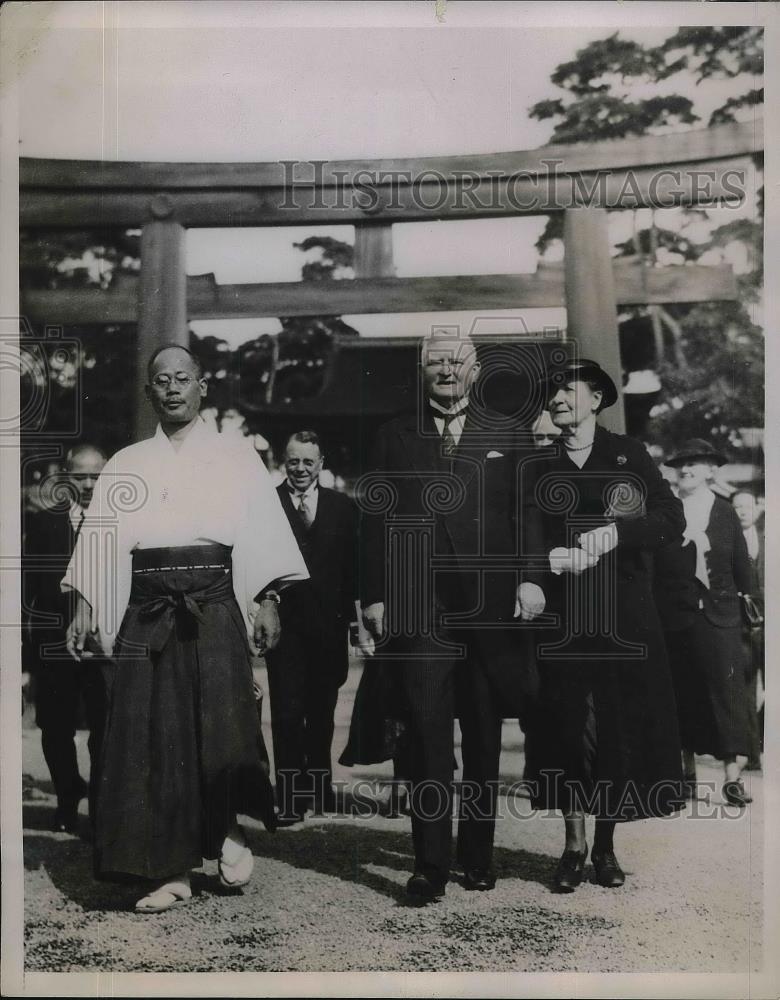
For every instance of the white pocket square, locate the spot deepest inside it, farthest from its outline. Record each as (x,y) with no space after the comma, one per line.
(495,454)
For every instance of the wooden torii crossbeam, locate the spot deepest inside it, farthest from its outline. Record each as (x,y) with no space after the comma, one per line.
(635,284)
(698,167)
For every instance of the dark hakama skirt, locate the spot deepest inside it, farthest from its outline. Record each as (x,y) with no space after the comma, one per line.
(183,750)
(709,666)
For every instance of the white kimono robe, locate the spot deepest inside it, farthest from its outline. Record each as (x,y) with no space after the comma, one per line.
(149,495)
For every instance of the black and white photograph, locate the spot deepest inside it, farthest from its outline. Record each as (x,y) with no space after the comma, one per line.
(386,531)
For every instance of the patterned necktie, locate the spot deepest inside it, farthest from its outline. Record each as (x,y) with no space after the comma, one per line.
(305,511)
(448,442)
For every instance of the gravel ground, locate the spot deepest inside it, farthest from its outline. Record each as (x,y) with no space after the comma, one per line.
(328,895)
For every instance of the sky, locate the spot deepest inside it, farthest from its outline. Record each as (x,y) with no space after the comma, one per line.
(227,82)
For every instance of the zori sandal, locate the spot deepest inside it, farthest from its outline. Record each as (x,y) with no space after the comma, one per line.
(165,897)
(235,865)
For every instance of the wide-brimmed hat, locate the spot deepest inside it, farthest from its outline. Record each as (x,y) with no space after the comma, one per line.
(696,449)
(582,369)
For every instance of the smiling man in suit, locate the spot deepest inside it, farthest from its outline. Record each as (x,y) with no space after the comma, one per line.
(440,586)
(309,665)
(61,683)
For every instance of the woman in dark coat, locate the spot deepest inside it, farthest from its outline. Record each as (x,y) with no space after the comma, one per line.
(708,657)
(604,740)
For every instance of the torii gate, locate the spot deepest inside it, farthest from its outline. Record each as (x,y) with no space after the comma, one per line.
(581,180)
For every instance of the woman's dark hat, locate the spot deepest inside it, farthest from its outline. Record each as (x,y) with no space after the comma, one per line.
(696,449)
(582,368)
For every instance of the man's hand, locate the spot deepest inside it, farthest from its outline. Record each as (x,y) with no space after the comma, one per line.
(374,619)
(599,541)
(79,629)
(531,601)
(574,561)
(365,641)
(266,626)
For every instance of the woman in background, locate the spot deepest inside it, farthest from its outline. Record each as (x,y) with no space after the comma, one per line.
(708,657)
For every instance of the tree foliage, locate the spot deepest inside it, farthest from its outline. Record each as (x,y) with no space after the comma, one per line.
(711,354)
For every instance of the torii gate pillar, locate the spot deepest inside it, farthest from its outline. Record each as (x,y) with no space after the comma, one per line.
(591,306)
(162,306)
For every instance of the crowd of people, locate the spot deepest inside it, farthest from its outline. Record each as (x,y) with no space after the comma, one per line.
(542,571)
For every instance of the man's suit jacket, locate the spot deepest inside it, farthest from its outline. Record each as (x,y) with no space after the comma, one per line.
(323,606)
(469,503)
(48,541)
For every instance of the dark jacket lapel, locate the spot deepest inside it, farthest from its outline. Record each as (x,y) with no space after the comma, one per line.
(422,443)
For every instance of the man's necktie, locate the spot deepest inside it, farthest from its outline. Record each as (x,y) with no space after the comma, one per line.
(305,511)
(79,527)
(448,443)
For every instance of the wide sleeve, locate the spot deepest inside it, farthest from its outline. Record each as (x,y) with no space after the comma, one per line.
(265,550)
(662,520)
(100,568)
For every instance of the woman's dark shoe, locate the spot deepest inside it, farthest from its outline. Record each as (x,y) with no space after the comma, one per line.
(734,793)
(570,870)
(608,871)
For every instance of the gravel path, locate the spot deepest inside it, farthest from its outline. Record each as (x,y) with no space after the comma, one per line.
(328,895)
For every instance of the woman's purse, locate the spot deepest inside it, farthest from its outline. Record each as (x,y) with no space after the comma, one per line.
(752,615)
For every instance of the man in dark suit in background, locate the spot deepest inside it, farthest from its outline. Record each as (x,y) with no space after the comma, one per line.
(60,682)
(445,481)
(310,663)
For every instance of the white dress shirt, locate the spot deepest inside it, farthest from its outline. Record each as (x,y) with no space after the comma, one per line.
(211,489)
(311,494)
(457,422)
(76,515)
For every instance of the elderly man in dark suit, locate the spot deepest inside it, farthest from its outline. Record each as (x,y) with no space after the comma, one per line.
(440,588)
(309,665)
(60,682)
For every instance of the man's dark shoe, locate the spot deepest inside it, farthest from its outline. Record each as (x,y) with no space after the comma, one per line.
(608,871)
(479,879)
(734,793)
(570,870)
(424,889)
(65,820)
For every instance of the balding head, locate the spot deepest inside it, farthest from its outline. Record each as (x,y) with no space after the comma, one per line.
(84,464)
